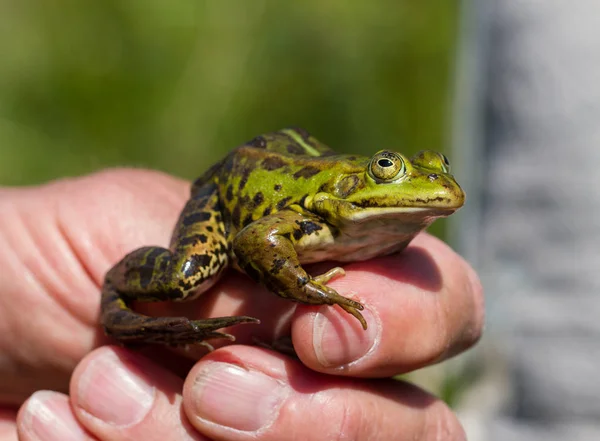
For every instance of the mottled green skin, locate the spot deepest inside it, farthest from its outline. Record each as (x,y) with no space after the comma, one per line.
(279,201)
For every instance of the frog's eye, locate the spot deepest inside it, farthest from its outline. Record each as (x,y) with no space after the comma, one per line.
(386,166)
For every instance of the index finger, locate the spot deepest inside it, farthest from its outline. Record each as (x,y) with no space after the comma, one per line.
(422,306)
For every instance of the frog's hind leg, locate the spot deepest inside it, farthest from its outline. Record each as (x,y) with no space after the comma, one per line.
(195,261)
(132,279)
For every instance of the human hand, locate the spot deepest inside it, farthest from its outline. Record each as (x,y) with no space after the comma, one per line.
(423,306)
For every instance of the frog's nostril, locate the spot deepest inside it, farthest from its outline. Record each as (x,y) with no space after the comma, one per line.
(432,177)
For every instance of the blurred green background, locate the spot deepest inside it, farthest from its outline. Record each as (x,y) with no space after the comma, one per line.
(87,84)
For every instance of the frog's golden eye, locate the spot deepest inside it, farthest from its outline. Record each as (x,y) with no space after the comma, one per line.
(386,166)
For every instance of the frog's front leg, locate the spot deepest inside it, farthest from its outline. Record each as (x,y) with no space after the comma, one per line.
(266,251)
(194,262)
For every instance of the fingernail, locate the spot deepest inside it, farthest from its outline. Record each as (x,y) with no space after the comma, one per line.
(49,417)
(238,398)
(338,338)
(113,390)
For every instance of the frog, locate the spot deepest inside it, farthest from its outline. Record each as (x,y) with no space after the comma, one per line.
(271,206)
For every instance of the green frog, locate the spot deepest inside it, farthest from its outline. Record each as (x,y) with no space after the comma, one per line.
(278,202)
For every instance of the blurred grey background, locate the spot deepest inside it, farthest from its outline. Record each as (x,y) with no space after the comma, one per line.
(527,128)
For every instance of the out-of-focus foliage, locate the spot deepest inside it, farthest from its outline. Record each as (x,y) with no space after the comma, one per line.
(86,84)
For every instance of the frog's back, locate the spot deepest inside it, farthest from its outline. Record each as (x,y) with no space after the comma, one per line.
(275,146)
(272,172)
(292,141)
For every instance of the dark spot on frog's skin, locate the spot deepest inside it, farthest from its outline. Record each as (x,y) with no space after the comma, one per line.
(185,285)
(432,177)
(226,213)
(425,201)
(244,179)
(192,240)
(209,228)
(218,218)
(295,149)
(301,281)
(191,219)
(258,199)
(302,132)
(235,216)
(146,271)
(150,258)
(298,234)
(347,186)
(244,201)
(220,247)
(323,187)
(248,220)
(282,203)
(145,274)
(288,236)
(267,211)
(258,142)
(306,172)
(201,260)
(229,193)
(163,266)
(202,238)
(273,163)
(277,265)
(309,227)
(277,187)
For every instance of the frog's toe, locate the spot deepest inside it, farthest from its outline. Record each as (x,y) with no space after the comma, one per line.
(329,275)
(200,330)
(352,307)
(355,312)
(180,331)
(331,297)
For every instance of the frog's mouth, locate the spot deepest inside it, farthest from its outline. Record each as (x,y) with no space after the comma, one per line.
(335,210)
(356,213)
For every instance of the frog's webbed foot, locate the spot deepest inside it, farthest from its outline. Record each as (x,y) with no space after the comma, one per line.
(174,331)
(317,292)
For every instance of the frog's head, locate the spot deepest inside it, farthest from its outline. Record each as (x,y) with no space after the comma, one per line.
(393,186)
